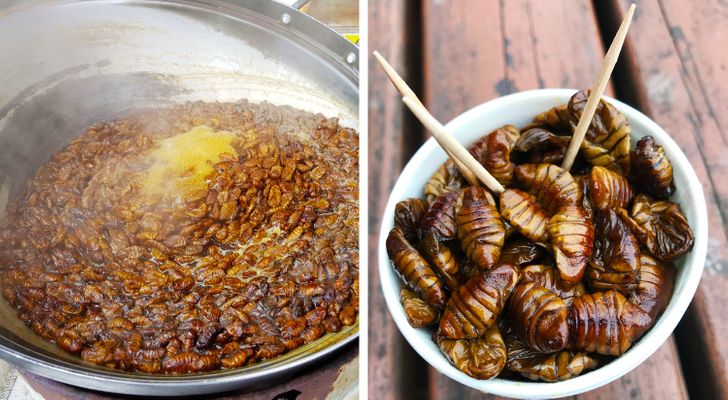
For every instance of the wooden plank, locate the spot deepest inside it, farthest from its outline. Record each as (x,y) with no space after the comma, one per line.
(560,32)
(648,380)
(443,388)
(659,377)
(683,88)
(394,368)
(475,51)
(462,64)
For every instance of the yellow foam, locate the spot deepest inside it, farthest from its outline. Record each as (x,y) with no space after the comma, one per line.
(180,165)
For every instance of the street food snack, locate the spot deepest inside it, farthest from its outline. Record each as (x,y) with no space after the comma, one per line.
(567,264)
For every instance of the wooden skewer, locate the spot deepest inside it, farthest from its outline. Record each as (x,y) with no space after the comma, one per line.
(397,80)
(610,59)
(451,145)
(406,91)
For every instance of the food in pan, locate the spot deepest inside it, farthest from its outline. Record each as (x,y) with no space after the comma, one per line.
(561,270)
(188,239)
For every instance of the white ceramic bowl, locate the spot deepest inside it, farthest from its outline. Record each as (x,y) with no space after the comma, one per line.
(518,109)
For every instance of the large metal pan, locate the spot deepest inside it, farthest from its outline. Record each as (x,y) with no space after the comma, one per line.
(69,64)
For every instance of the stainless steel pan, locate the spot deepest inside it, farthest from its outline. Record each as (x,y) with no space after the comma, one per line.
(68,64)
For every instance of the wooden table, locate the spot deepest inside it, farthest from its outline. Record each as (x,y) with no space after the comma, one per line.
(457,54)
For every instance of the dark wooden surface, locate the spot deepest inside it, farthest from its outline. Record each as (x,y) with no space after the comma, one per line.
(681,81)
(393,137)
(460,54)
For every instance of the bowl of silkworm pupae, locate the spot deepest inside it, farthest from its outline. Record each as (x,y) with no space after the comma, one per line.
(565,280)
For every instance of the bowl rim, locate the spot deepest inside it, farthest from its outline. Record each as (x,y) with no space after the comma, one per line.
(618,367)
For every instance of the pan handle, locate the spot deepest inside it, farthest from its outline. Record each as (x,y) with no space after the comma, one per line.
(302,5)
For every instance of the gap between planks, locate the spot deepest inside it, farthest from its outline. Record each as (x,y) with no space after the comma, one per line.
(692,348)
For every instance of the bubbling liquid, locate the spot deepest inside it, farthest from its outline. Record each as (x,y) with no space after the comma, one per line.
(180,165)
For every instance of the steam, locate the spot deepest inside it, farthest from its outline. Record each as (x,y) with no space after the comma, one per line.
(179,165)
(4,198)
